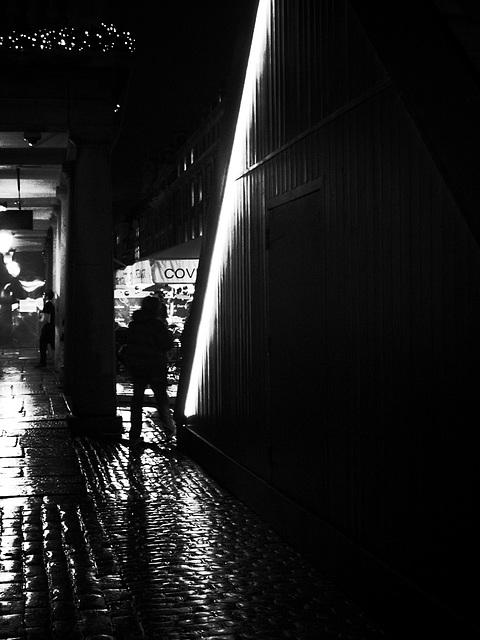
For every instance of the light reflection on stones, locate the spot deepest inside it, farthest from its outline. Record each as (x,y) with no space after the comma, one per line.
(92,533)
(195,555)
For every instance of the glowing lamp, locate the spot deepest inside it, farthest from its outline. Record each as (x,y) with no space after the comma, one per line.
(13,268)
(6,239)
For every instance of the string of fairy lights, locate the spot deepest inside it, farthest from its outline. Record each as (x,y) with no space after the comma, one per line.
(103,38)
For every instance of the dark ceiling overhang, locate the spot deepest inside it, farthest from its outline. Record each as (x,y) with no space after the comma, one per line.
(48,103)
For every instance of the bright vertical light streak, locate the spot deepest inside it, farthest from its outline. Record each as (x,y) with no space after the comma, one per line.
(237,166)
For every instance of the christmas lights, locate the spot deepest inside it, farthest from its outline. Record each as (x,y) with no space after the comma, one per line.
(105,39)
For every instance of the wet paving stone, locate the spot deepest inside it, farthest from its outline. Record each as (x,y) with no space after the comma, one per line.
(102,542)
(57,585)
(200,564)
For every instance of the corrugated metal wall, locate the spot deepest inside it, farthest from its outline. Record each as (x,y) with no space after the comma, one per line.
(375,436)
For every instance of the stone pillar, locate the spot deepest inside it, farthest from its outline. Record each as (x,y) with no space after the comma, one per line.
(89,312)
(62,194)
(52,275)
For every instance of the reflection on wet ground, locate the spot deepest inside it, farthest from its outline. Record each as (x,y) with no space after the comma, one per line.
(100,540)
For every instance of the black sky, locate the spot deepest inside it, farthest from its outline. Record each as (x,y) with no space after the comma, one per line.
(184,52)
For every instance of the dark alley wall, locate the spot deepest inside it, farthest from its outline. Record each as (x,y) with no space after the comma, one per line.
(343,371)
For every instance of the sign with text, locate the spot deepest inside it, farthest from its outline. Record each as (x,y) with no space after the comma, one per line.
(141,273)
(138,274)
(174,271)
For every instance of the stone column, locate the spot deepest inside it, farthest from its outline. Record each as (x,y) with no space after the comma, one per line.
(89,312)
(63,195)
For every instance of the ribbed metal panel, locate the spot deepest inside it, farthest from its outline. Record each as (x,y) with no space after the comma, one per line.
(296,90)
(385,319)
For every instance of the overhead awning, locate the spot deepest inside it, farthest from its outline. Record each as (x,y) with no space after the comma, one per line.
(174,271)
(138,274)
(176,265)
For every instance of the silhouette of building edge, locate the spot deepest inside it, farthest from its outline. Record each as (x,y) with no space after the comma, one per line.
(332,367)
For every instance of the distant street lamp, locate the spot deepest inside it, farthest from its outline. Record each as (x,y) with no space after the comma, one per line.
(6,241)
(13,267)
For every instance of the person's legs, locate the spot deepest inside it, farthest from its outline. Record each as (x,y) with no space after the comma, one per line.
(159,388)
(136,406)
(43,347)
(47,337)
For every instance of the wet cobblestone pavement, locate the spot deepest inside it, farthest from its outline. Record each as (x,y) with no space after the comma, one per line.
(100,541)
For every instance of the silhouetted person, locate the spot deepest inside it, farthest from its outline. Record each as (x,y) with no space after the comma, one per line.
(47,334)
(148,341)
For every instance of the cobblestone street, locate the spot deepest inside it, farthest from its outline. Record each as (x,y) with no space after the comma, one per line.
(101,541)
